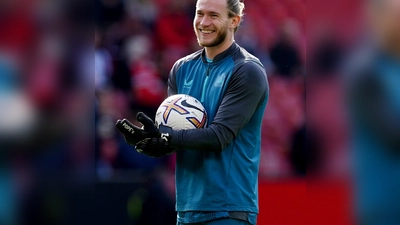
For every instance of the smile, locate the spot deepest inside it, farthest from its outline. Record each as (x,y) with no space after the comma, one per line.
(206,31)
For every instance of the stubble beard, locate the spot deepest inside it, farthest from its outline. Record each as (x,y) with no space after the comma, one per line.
(217,41)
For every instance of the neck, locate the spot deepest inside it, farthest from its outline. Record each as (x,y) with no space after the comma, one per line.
(211,52)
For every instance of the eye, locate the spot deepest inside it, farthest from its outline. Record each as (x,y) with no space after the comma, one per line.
(199,13)
(214,15)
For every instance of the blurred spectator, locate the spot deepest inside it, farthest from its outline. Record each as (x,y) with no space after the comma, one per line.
(174,27)
(298,152)
(46,72)
(148,88)
(325,112)
(327,58)
(103,62)
(284,53)
(109,11)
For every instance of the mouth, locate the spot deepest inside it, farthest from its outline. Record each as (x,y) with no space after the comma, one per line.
(204,31)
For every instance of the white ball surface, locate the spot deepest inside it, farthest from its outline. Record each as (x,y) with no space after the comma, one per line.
(181,112)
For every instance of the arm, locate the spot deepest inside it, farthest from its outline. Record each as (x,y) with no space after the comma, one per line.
(247,89)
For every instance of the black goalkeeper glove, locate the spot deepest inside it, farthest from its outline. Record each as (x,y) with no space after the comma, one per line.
(152,141)
(155,147)
(134,134)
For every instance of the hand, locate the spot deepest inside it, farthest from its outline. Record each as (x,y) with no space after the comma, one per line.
(134,134)
(155,147)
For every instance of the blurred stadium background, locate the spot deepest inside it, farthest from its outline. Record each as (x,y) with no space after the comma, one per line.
(137,43)
(48,176)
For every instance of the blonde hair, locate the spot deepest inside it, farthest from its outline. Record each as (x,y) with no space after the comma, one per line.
(235,8)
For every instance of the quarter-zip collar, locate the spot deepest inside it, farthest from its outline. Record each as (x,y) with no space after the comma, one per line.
(221,56)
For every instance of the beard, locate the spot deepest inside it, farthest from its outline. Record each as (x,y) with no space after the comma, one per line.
(221,36)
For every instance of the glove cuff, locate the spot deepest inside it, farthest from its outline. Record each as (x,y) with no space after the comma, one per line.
(166,133)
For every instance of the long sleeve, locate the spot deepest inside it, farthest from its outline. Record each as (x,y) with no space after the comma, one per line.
(246,90)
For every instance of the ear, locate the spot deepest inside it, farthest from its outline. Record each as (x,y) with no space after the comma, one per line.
(235,21)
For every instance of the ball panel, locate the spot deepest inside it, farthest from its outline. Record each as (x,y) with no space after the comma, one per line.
(181,112)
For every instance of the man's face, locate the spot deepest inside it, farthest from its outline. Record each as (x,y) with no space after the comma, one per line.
(211,23)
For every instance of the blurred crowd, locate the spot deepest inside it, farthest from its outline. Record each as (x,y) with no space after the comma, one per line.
(48,75)
(137,42)
(46,109)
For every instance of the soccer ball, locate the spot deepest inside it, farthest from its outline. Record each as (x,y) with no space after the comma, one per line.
(181,112)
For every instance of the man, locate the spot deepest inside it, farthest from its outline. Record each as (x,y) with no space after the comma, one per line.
(217,166)
(374,105)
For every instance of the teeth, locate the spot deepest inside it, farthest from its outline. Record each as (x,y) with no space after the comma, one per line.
(207,31)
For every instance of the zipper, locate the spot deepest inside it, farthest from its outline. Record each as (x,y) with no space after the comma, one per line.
(205,84)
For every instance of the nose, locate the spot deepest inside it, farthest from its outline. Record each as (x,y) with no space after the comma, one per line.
(205,21)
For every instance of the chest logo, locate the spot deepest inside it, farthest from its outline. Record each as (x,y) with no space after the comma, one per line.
(188,83)
(220,80)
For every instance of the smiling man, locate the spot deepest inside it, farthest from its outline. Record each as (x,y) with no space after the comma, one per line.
(216,166)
